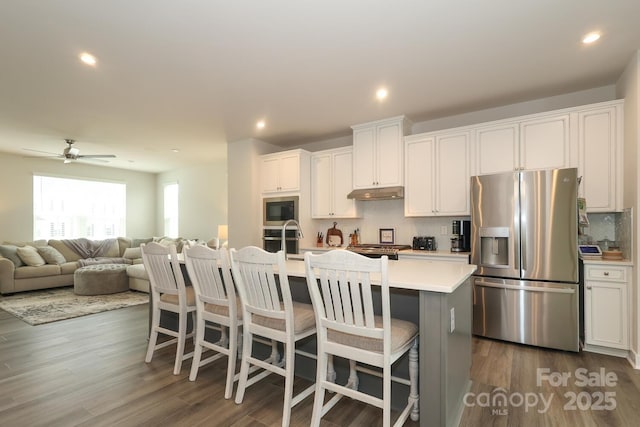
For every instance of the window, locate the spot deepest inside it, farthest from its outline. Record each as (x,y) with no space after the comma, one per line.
(171,209)
(66,208)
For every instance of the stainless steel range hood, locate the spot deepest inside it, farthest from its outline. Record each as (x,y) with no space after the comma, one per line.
(385,193)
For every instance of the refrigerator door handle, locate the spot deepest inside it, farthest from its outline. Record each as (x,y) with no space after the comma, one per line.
(525,288)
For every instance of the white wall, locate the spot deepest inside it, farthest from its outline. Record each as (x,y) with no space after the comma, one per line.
(628,87)
(202,199)
(16,193)
(245,211)
(590,96)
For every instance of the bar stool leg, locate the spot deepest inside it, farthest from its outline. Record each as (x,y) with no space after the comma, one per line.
(413,380)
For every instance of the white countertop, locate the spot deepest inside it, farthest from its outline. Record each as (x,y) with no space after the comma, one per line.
(599,261)
(438,253)
(420,275)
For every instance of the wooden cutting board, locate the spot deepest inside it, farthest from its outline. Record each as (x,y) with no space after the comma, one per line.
(337,239)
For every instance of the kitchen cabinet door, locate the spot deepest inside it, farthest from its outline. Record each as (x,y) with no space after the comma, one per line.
(331,182)
(600,158)
(343,185)
(452,174)
(606,305)
(378,153)
(497,149)
(545,143)
(321,185)
(365,158)
(419,176)
(389,155)
(270,179)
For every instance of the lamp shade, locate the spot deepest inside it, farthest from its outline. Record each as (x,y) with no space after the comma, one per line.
(223,232)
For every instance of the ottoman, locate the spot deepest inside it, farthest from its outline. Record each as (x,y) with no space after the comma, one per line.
(99,279)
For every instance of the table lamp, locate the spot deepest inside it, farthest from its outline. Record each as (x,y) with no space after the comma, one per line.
(223,235)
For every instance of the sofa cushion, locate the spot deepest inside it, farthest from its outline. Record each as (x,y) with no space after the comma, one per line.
(68,253)
(10,253)
(33,243)
(167,241)
(68,267)
(138,271)
(30,256)
(113,251)
(137,242)
(28,272)
(123,244)
(51,255)
(132,253)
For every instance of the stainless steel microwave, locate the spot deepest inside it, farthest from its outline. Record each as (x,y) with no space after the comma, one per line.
(277,210)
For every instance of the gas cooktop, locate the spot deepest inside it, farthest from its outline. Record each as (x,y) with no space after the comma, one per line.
(378,250)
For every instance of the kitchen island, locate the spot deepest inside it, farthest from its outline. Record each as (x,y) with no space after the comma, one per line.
(444,317)
(435,295)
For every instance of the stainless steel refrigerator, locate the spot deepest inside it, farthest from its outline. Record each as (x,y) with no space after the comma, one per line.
(524,229)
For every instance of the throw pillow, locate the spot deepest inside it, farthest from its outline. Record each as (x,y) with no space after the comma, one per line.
(10,253)
(132,253)
(137,242)
(51,255)
(30,256)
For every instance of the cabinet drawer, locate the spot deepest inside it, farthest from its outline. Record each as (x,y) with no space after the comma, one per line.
(613,274)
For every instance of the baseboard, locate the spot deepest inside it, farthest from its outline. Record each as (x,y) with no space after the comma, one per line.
(634,359)
(617,352)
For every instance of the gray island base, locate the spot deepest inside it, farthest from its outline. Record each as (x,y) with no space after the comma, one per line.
(436,295)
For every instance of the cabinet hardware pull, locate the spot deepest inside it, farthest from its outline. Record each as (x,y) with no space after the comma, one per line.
(606,273)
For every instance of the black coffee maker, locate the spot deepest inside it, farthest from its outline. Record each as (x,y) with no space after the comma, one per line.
(461,240)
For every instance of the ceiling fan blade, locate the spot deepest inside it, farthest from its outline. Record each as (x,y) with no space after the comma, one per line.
(91,159)
(40,151)
(97,156)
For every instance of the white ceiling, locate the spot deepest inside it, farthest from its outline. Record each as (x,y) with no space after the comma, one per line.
(194,74)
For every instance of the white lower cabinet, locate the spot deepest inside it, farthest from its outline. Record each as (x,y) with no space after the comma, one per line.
(606,306)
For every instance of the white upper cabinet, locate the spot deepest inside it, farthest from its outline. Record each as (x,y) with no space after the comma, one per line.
(539,143)
(497,148)
(331,182)
(378,153)
(437,174)
(545,143)
(280,172)
(600,157)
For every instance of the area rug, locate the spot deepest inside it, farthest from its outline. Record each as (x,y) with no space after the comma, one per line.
(51,305)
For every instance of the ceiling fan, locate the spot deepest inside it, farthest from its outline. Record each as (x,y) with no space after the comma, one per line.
(71,153)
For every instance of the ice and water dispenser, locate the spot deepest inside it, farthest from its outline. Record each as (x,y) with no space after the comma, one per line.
(494,246)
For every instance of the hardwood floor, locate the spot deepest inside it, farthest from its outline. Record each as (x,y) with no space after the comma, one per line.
(90,371)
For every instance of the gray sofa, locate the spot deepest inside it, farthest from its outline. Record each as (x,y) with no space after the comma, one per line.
(61,261)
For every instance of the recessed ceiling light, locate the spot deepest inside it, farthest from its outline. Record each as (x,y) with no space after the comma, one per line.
(175,150)
(590,38)
(88,59)
(382,93)
(261,124)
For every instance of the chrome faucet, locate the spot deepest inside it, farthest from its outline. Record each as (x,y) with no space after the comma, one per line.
(299,234)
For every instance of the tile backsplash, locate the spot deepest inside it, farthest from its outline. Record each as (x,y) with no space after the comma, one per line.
(615,226)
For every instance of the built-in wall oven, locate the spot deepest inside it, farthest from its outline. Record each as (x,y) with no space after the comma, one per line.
(277,210)
(272,240)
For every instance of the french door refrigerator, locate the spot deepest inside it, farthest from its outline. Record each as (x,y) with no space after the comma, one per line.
(524,228)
